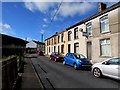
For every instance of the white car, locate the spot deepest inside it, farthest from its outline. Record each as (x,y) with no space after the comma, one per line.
(109,67)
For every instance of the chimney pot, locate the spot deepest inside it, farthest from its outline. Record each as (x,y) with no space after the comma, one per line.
(101,6)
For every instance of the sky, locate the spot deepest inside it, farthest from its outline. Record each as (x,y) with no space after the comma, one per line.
(28,20)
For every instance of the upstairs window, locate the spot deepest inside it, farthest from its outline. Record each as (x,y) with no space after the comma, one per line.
(104,24)
(89,29)
(58,39)
(55,40)
(52,41)
(69,35)
(62,38)
(76,33)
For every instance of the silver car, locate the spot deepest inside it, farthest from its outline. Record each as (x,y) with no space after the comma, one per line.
(109,67)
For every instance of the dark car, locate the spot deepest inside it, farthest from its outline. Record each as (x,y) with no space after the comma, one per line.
(40,53)
(56,56)
(78,61)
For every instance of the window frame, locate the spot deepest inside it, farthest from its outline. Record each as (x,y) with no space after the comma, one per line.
(105,43)
(89,25)
(75,44)
(55,40)
(62,37)
(103,19)
(69,35)
(76,36)
(58,39)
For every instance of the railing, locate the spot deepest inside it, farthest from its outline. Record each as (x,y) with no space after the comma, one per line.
(9,72)
(11,66)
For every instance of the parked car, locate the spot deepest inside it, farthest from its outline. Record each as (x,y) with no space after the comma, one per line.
(56,56)
(109,67)
(40,53)
(78,61)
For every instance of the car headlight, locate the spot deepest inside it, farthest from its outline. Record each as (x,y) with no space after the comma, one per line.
(78,60)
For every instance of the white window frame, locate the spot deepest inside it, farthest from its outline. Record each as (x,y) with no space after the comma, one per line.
(102,43)
(76,47)
(89,25)
(102,20)
(76,33)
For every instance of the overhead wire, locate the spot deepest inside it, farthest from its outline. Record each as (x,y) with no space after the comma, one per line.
(56,13)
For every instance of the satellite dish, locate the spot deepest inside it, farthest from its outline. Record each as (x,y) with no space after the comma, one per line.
(81,30)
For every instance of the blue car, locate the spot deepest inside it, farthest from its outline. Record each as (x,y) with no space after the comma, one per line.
(78,61)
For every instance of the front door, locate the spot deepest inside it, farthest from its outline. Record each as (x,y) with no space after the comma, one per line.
(69,47)
(89,50)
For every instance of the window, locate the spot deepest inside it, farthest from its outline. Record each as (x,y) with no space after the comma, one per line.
(89,29)
(49,41)
(76,33)
(76,48)
(49,49)
(104,24)
(55,40)
(52,41)
(62,48)
(69,35)
(71,56)
(54,48)
(105,47)
(58,39)
(79,56)
(114,61)
(58,49)
(62,38)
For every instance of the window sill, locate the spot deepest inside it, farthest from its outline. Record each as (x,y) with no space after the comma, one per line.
(105,32)
(105,56)
(90,36)
(76,38)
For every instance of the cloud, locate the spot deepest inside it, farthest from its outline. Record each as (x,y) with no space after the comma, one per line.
(6,29)
(44,25)
(45,20)
(29,6)
(39,6)
(71,9)
(42,31)
(66,9)
(7,26)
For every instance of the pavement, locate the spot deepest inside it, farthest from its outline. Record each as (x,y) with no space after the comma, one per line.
(29,77)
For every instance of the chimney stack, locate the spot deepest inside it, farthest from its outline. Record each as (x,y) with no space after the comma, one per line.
(41,37)
(101,6)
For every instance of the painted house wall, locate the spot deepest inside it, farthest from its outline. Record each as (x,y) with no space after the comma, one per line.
(113,34)
(31,44)
(97,36)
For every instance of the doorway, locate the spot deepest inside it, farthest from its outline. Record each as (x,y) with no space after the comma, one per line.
(89,50)
(69,47)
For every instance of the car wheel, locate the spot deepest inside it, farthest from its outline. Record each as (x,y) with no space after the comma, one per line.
(75,66)
(64,62)
(97,73)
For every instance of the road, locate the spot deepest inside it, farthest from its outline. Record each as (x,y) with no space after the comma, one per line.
(56,75)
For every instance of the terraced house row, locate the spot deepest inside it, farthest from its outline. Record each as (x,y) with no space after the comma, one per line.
(96,37)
